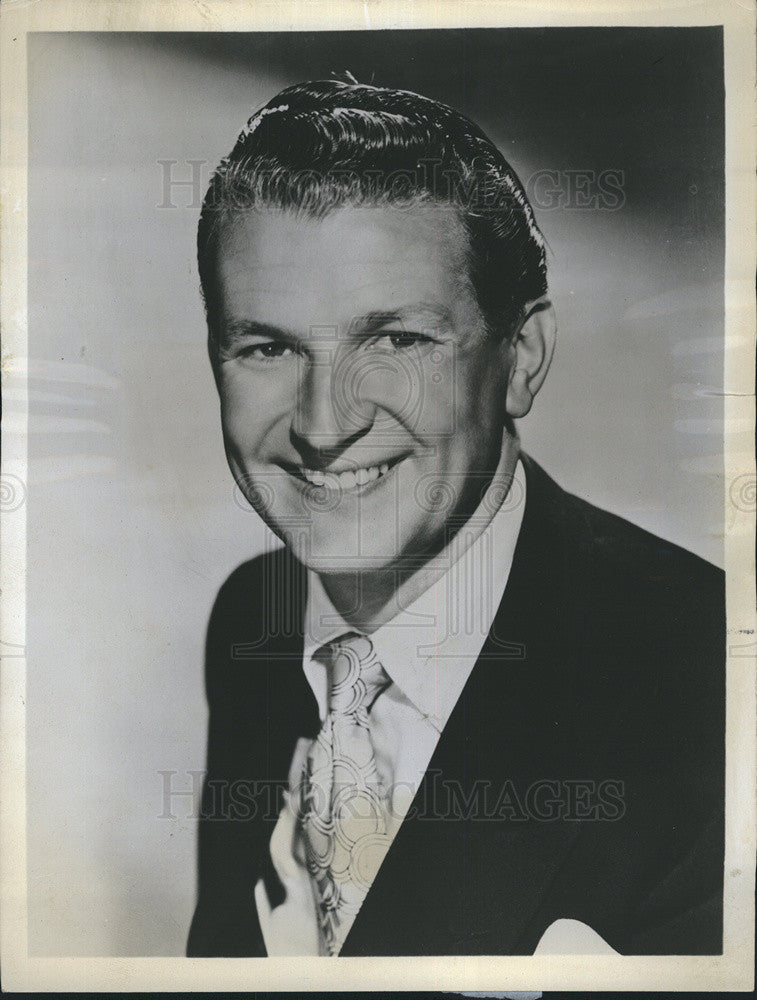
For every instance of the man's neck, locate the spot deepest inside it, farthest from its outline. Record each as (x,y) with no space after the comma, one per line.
(367,599)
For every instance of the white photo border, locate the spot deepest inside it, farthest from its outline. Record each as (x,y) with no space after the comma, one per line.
(731,971)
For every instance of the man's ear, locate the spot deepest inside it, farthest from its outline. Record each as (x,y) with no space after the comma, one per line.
(531,350)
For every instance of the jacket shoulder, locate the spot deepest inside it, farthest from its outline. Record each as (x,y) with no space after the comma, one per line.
(613,546)
(249,579)
(607,563)
(639,623)
(255,619)
(663,604)
(265,588)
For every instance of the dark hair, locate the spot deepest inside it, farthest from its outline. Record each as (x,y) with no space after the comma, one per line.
(318,146)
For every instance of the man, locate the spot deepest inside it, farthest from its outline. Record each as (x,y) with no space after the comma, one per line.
(479,707)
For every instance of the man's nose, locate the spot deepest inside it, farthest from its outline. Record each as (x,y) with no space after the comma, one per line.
(329,415)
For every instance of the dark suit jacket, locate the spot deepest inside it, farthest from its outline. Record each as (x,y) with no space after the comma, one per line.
(580,775)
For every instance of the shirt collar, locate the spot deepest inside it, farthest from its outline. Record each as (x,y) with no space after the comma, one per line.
(430,648)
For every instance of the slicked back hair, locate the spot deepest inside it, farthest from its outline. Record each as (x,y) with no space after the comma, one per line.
(316,147)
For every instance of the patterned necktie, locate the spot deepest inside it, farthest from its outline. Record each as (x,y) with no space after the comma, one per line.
(342,810)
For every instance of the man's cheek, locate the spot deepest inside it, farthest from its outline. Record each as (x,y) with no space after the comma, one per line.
(436,407)
(241,441)
(236,394)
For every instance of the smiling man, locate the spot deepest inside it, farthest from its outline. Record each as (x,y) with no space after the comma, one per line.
(459,706)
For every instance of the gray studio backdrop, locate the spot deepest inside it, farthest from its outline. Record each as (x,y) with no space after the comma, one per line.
(133,518)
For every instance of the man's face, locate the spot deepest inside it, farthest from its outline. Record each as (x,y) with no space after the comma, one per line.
(362,400)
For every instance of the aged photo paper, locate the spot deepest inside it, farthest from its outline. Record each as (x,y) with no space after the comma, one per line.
(378,495)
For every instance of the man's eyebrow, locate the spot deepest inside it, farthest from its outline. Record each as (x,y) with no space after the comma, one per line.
(419,313)
(240,328)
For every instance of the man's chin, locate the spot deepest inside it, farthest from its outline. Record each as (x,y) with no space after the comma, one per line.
(326,564)
(330,561)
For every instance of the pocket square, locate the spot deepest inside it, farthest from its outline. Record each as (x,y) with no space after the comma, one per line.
(571,937)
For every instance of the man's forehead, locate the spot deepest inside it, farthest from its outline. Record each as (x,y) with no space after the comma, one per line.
(272,237)
(370,258)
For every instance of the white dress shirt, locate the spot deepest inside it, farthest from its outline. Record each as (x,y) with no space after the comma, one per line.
(428,650)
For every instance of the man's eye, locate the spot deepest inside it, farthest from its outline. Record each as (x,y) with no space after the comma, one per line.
(401,340)
(271,350)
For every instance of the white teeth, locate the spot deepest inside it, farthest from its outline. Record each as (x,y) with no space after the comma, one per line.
(345,480)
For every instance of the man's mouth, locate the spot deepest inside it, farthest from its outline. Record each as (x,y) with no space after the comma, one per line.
(348,479)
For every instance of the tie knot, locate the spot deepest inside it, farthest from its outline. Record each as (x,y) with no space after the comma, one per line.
(356,677)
